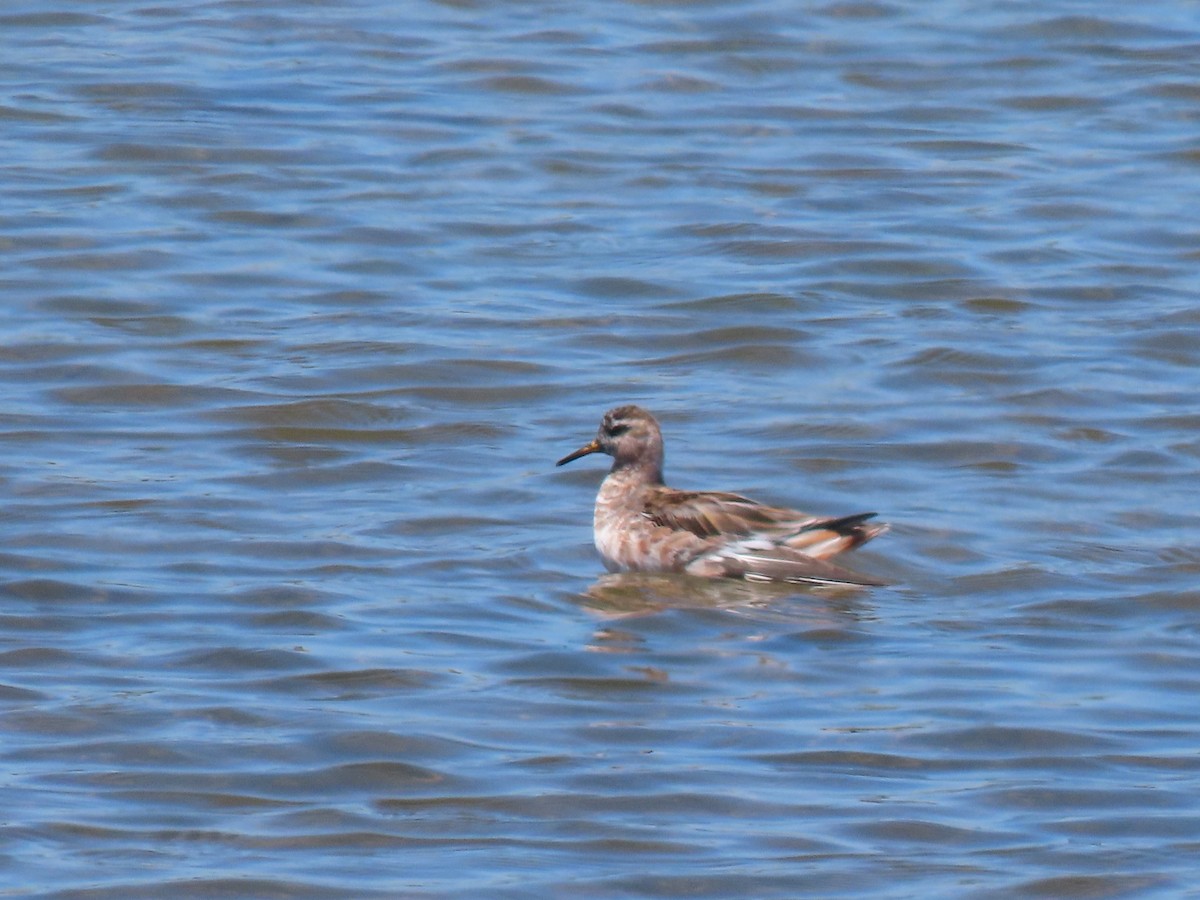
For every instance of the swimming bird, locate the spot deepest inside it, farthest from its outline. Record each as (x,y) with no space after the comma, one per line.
(641,525)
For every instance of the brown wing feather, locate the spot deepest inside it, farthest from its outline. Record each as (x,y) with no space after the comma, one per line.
(713,513)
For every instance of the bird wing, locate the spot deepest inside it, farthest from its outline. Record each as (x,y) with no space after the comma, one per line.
(713,513)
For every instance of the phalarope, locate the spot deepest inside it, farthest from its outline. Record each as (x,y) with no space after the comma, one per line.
(642,525)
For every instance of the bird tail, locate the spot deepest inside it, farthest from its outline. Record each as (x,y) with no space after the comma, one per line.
(829,537)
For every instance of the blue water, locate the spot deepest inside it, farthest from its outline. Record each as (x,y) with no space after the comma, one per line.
(301,303)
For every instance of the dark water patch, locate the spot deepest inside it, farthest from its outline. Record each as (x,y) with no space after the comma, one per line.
(449,525)
(859,9)
(759,883)
(352,685)
(189,155)
(798,249)
(1078,799)
(43,658)
(48,360)
(157,396)
(364,236)
(48,590)
(1175,91)
(331,434)
(208,801)
(1183,762)
(742,335)
(611,287)
(214,889)
(1087,28)
(52,19)
(581,687)
(741,304)
(608,808)
(228,717)
(484,397)
(786,437)
(507,229)
(314,412)
(311,554)
(996,741)
(391,745)
(946,360)
(124,753)
(282,785)
(232,661)
(344,421)
(129,261)
(284,456)
(262,219)
(1093,886)
(753,355)
(529,85)
(329,474)
(1052,103)
(63,722)
(20,695)
(1012,580)
(1182,600)
(856,762)
(1007,306)
(990,457)
(1146,827)
(917,831)
(298,622)
(366,777)
(678,83)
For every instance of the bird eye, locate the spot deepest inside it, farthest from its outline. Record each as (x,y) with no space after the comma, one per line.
(615,430)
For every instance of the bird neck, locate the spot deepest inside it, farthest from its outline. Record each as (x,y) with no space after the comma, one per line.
(641,470)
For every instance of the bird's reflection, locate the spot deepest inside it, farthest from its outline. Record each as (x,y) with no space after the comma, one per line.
(629,594)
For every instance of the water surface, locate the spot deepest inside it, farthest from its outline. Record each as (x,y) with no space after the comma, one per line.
(301,303)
